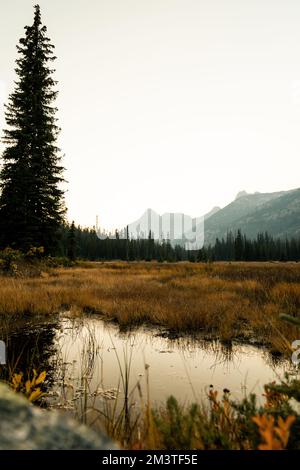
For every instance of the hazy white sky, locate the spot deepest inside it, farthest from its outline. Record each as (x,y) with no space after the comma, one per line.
(170,104)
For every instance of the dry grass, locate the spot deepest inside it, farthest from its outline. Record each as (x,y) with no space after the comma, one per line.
(226,300)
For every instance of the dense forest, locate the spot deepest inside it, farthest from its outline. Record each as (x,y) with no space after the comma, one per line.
(237,247)
(77,242)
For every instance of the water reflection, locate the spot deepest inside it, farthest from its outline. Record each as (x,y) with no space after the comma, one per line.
(29,345)
(91,363)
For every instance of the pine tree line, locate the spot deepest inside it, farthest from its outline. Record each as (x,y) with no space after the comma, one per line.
(237,247)
(84,243)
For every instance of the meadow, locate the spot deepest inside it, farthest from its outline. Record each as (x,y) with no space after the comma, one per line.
(227,301)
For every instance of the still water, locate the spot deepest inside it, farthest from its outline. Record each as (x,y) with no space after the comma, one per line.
(90,361)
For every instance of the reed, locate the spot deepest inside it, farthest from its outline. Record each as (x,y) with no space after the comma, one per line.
(219,300)
(128,416)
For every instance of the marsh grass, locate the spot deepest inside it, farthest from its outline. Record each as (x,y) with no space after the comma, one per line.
(128,416)
(219,300)
(217,423)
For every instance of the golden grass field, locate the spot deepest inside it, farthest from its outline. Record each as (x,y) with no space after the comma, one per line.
(220,300)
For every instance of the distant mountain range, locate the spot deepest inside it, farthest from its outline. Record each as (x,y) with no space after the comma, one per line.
(178,228)
(277,213)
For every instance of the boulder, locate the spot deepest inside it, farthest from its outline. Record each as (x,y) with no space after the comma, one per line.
(24,426)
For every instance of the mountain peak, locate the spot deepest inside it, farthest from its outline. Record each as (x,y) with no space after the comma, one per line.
(241,194)
(212,212)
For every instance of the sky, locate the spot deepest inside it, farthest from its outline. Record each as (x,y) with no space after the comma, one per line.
(175,105)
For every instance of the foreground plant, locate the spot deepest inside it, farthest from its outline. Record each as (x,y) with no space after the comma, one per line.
(228,425)
(219,424)
(30,387)
(275,437)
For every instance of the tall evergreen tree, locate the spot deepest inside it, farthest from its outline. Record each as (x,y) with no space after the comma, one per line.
(31,200)
(238,246)
(72,244)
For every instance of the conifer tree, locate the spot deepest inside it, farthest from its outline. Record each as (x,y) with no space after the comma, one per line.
(72,245)
(31,200)
(238,246)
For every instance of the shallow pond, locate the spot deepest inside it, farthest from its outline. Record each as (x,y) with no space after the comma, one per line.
(90,362)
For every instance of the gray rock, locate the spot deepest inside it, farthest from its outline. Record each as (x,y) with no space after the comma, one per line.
(24,426)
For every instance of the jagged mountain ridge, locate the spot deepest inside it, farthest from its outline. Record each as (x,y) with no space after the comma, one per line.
(277,213)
